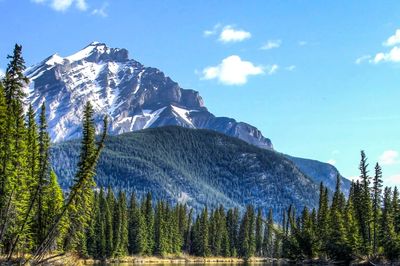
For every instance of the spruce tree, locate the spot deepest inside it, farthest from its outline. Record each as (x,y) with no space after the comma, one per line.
(232,224)
(15,193)
(148,213)
(122,246)
(376,204)
(259,232)
(389,240)
(267,245)
(136,229)
(365,206)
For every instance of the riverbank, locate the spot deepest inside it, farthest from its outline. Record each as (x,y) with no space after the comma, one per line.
(71,259)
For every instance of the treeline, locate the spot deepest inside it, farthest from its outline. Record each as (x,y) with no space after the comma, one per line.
(365,225)
(35,216)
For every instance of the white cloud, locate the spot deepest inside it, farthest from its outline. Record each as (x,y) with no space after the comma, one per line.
(234,71)
(392,56)
(389,157)
(101,11)
(362,59)
(271,69)
(230,34)
(393,40)
(393,180)
(213,31)
(271,44)
(2,73)
(63,5)
(290,68)
(331,161)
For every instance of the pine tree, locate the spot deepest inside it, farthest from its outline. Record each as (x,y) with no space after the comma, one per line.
(232,224)
(122,246)
(161,230)
(246,234)
(147,212)
(396,210)
(365,206)
(267,245)
(337,247)
(376,202)
(109,222)
(136,229)
(259,232)
(352,226)
(389,240)
(80,200)
(323,218)
(15,193)
(53,201)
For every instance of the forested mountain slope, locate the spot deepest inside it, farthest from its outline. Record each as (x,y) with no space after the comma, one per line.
(200,167)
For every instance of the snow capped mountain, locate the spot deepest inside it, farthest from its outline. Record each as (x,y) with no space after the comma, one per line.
(133,96)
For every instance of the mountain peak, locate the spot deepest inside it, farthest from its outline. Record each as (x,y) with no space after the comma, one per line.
(134,96)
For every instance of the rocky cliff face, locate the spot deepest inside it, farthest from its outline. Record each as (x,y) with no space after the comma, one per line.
(133,96)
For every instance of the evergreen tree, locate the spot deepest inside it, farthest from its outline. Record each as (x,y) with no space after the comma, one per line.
(389,240)
(246,234)
(109,222)
(376,202)
(365,206)
(232,224)
(259,232)
(323,218)
(122,245)
(352,226)
(137,228)
(147,212)
(337,247)
(267,245)
(14,200)
(396,210)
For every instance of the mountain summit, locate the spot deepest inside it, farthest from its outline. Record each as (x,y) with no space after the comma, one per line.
(133,96)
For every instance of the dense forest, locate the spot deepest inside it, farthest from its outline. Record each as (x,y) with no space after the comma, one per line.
(195,166)
(37,218)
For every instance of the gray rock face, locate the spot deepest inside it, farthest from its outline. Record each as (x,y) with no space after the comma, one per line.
(133,96)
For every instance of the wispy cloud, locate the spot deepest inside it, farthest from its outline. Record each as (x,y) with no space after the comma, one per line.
(227,33)
(362,59)
(63,5)
(102,11)
(302,43)
(212,31)
(271,69)
(234,71)
(331,161)
(392,181)
(389,157)
(290,68)
(271,44)
(230,34)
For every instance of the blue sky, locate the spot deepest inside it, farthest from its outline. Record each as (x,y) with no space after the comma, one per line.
(320,79)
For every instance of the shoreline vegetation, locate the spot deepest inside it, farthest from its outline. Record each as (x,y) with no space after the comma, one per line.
(38,219)
(74,259)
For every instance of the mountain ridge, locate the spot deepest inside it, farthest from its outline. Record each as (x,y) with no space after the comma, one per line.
(134,97)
